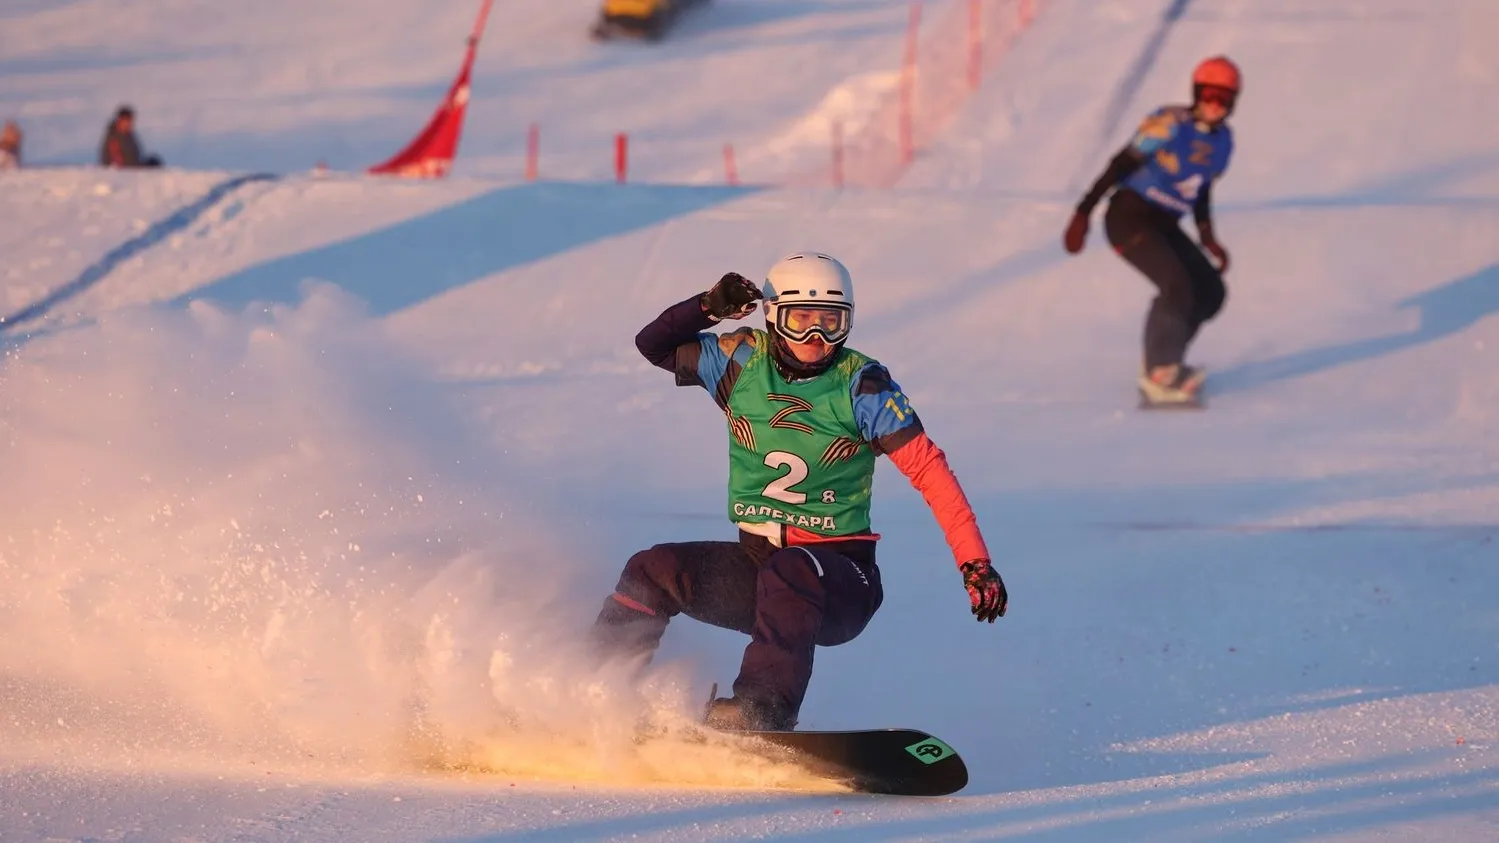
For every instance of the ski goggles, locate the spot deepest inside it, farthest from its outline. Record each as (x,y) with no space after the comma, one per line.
(799,322)
(1221,97)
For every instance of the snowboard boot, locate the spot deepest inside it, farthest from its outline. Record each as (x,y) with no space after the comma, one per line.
(742,714)
(1175,383)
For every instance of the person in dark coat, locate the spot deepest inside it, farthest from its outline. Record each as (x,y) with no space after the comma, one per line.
(120,148)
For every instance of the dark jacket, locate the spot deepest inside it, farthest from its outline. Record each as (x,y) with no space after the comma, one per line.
(119,148)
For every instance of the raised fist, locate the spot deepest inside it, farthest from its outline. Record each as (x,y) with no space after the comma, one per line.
(733,297)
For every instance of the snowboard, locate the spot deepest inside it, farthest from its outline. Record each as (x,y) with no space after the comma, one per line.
(1196,403)
(903,762)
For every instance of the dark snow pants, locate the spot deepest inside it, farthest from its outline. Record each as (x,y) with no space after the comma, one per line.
(1191,288)
(788,600)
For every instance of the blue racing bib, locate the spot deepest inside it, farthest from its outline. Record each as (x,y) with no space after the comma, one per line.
(1179,158)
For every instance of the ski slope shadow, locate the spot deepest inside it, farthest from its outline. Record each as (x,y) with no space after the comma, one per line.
(1428,181)
(400,265)
(1259,808)
(1129,84)
(178,220)
(1133,636)
(715,18)
(1427,186)
(1281,808)
(708,30)
(721,17)
(1445,311)
(1015,267)
(73,61)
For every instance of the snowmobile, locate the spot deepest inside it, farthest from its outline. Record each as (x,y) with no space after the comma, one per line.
(648,19)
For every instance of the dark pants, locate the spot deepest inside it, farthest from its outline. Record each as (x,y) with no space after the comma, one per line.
(788,600)
(1191,289)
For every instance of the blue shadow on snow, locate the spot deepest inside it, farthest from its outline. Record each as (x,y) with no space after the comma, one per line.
(178,220)
(1133,78)
(1445,310)
(395,267)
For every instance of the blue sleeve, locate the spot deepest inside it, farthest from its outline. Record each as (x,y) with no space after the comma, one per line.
(1228,152)
(719,360)
(881,410)
(712,361)
(1155,131)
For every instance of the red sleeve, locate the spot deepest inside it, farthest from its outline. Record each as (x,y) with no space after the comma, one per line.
(924,464)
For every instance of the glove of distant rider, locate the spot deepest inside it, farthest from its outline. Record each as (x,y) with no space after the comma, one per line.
(985,590)
(1077,233)
(1220,254)
(1210,244)
(733,297)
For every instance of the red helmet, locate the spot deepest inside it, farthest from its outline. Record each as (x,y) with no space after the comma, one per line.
(1217,72)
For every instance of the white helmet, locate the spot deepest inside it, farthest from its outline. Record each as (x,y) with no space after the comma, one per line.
(809,293)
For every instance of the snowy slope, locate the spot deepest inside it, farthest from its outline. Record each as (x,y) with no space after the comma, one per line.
(1343,102)
(281,85)
(305,478)
(1292,612)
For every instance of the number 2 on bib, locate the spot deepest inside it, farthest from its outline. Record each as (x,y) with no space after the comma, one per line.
(780,488)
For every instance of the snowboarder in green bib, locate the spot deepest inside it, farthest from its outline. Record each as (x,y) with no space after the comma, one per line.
(806,418)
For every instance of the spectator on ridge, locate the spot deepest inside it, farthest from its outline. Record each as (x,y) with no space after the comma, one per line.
(120,147)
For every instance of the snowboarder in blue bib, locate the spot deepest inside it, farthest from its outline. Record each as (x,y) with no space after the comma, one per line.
(806,417)
(1167,170)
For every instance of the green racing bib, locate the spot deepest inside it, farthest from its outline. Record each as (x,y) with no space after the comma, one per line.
(796,455)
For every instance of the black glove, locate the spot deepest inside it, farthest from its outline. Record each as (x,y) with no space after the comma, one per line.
(1220,254)
(733,297)
(985,590)
(1211,245)
(1077,233)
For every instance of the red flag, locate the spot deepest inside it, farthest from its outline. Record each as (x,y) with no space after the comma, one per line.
(430,154)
